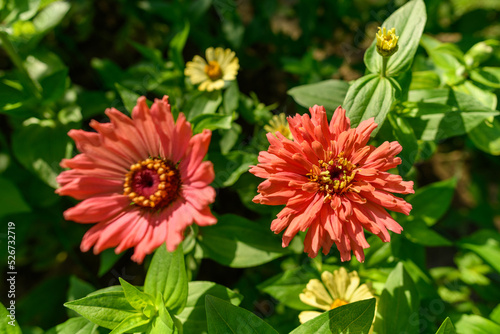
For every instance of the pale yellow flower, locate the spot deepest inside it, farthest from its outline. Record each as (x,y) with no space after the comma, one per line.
(279,123)
(211,74)
(387,42)
(334,290)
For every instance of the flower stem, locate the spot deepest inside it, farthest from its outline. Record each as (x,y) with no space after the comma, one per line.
(14,56)
(384,66)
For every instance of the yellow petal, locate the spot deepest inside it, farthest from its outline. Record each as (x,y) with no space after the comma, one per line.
(305,316)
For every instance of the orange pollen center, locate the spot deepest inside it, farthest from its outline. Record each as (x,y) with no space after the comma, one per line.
(213,70)
(333,175)
(338,302)
(152,183)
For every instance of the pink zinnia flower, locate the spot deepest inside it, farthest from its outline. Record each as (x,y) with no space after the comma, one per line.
(332,183)
(142,180)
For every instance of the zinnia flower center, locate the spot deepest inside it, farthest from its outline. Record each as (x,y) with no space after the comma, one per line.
(333,176)
(152,183)
(213,70)
(338,302)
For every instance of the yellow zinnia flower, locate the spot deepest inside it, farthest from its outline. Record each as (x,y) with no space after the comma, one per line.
(279,123)
(387,42)
(220,66)
(341,288)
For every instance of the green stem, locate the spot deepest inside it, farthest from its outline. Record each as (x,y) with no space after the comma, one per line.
(384,66)
(14,56)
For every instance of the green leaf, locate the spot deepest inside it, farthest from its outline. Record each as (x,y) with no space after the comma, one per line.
(398,303)
(129,97)
(431,202)
(211,122)
(108,260)
(403,133)
(77,325)
(223,317)
(54,85)
(239,243)
(11,199)
(480,52)
(136,298)
(77,289)
(446,327)
(229,167)
(20,10)
(435,96)
(287,286)
(486,244)
(424,80)
(409,21)
(48,18)
(131,324)
(149,53)
(106,309)
(474,324)
(231,98)
(486,136)
(39,146)
(419,233)
(351,318)
(487,98)
(495,314)
(369,96)
(203,103)
(193,316)
(177,45)
(489,76)
(167,275)
(8,323)
(328,93)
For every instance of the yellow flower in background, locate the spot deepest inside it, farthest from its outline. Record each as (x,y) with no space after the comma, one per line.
(279,123)
(334,290)
(387,42)
(220,66)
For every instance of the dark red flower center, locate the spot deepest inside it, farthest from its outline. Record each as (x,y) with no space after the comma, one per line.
(333,176)
(152,183)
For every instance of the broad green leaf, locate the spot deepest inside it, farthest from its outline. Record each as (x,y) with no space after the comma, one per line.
(287,286)
(422,279)
(351,318)
(8,323)
(229,138)
(446,327)
(211,122)
(409,21)
(229,167)
(424,80)
(231,98)
(77,289)
(40,145)
(193,316)
(487,98)
(489,76)
(54,85)
(369,96)
(131,324)
(77,325)
(129,97)
(486,136)
(480,52)
(202,103)
(177,45)
(223,317)
(167,275)
(239,243)
(48,18)
(418,232)
(106,309)
(136,298)
(11,199)
(328,93)
(20,10)
(431,202)
(13,96)
(495,314)
(108,260)
(486,244)
(474,324)
(403,133)
(436,96)
(149,53)
(398,302)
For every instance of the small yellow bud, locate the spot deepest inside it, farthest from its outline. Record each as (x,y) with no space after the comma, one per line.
(387,42)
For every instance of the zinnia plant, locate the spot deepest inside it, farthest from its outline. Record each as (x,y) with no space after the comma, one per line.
(142,180)
(333,184)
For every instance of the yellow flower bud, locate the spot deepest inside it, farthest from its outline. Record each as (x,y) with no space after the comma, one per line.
(387,42)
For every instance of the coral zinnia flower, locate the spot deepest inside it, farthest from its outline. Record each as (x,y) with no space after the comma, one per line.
(332,183)
(341,288)
(142,180)
(221,65)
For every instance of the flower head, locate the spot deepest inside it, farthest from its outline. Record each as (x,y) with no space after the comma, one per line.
(387,42)
(333,184)
(279,123)
(142,180)
(220,66)
(334,290)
